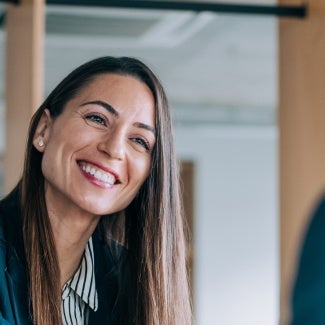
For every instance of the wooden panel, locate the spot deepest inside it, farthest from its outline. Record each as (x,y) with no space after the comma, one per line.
(24,79)
(187,180)
(302,133)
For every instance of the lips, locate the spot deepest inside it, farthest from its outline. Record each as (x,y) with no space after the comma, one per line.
(98,173)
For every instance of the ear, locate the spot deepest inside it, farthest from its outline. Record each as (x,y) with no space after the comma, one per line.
(43,131)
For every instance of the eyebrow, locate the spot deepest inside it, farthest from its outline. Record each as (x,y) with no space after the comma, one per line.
(112,110)
(146,127)
(108,107)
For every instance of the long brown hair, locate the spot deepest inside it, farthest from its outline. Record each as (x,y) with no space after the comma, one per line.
(154,231)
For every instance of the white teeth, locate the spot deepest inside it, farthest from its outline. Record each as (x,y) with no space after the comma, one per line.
(105,178)
(100,175)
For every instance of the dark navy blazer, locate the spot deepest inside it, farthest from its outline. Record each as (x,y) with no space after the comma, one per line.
(14,294)
(308,300)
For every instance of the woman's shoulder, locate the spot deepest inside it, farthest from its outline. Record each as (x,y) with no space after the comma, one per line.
(7,231)
(11,237)
(10,214)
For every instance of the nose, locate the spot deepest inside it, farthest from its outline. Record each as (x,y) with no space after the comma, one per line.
(113,145)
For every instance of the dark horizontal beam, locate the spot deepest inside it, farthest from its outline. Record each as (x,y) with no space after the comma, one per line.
(231,8)
(10,1)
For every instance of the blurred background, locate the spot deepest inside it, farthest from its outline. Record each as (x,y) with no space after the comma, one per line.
(220,72)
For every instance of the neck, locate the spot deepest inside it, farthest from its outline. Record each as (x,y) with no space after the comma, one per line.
(72,229)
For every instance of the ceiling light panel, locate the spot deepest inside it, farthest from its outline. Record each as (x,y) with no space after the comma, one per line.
(122,28)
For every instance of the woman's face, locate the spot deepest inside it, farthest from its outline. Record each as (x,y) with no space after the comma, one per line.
(97,153)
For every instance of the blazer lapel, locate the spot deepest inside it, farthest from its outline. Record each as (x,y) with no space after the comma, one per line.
(106,283)
(15,274)
(16,277)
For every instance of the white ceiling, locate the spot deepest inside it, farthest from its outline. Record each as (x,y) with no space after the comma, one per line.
(215,68)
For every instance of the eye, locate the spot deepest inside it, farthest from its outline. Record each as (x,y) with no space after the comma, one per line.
(141,142)
(97,118)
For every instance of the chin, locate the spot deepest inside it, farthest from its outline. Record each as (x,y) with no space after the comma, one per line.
(101,211)
(101,206)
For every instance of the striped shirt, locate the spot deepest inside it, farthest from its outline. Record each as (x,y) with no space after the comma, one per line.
(79,293)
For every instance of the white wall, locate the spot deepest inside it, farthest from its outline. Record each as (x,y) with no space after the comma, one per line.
(236,223)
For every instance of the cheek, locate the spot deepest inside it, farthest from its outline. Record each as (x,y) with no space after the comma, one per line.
(53,157)
(49,165)
(142,171)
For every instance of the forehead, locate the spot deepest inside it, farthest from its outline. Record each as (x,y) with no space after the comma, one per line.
(125,93)
(110,83)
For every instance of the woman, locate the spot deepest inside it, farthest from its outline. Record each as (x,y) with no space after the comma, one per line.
(93,232)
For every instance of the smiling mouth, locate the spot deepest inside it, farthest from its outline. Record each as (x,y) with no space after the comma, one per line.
(97,173)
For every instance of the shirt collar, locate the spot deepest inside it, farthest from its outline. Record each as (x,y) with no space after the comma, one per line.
(83,281)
